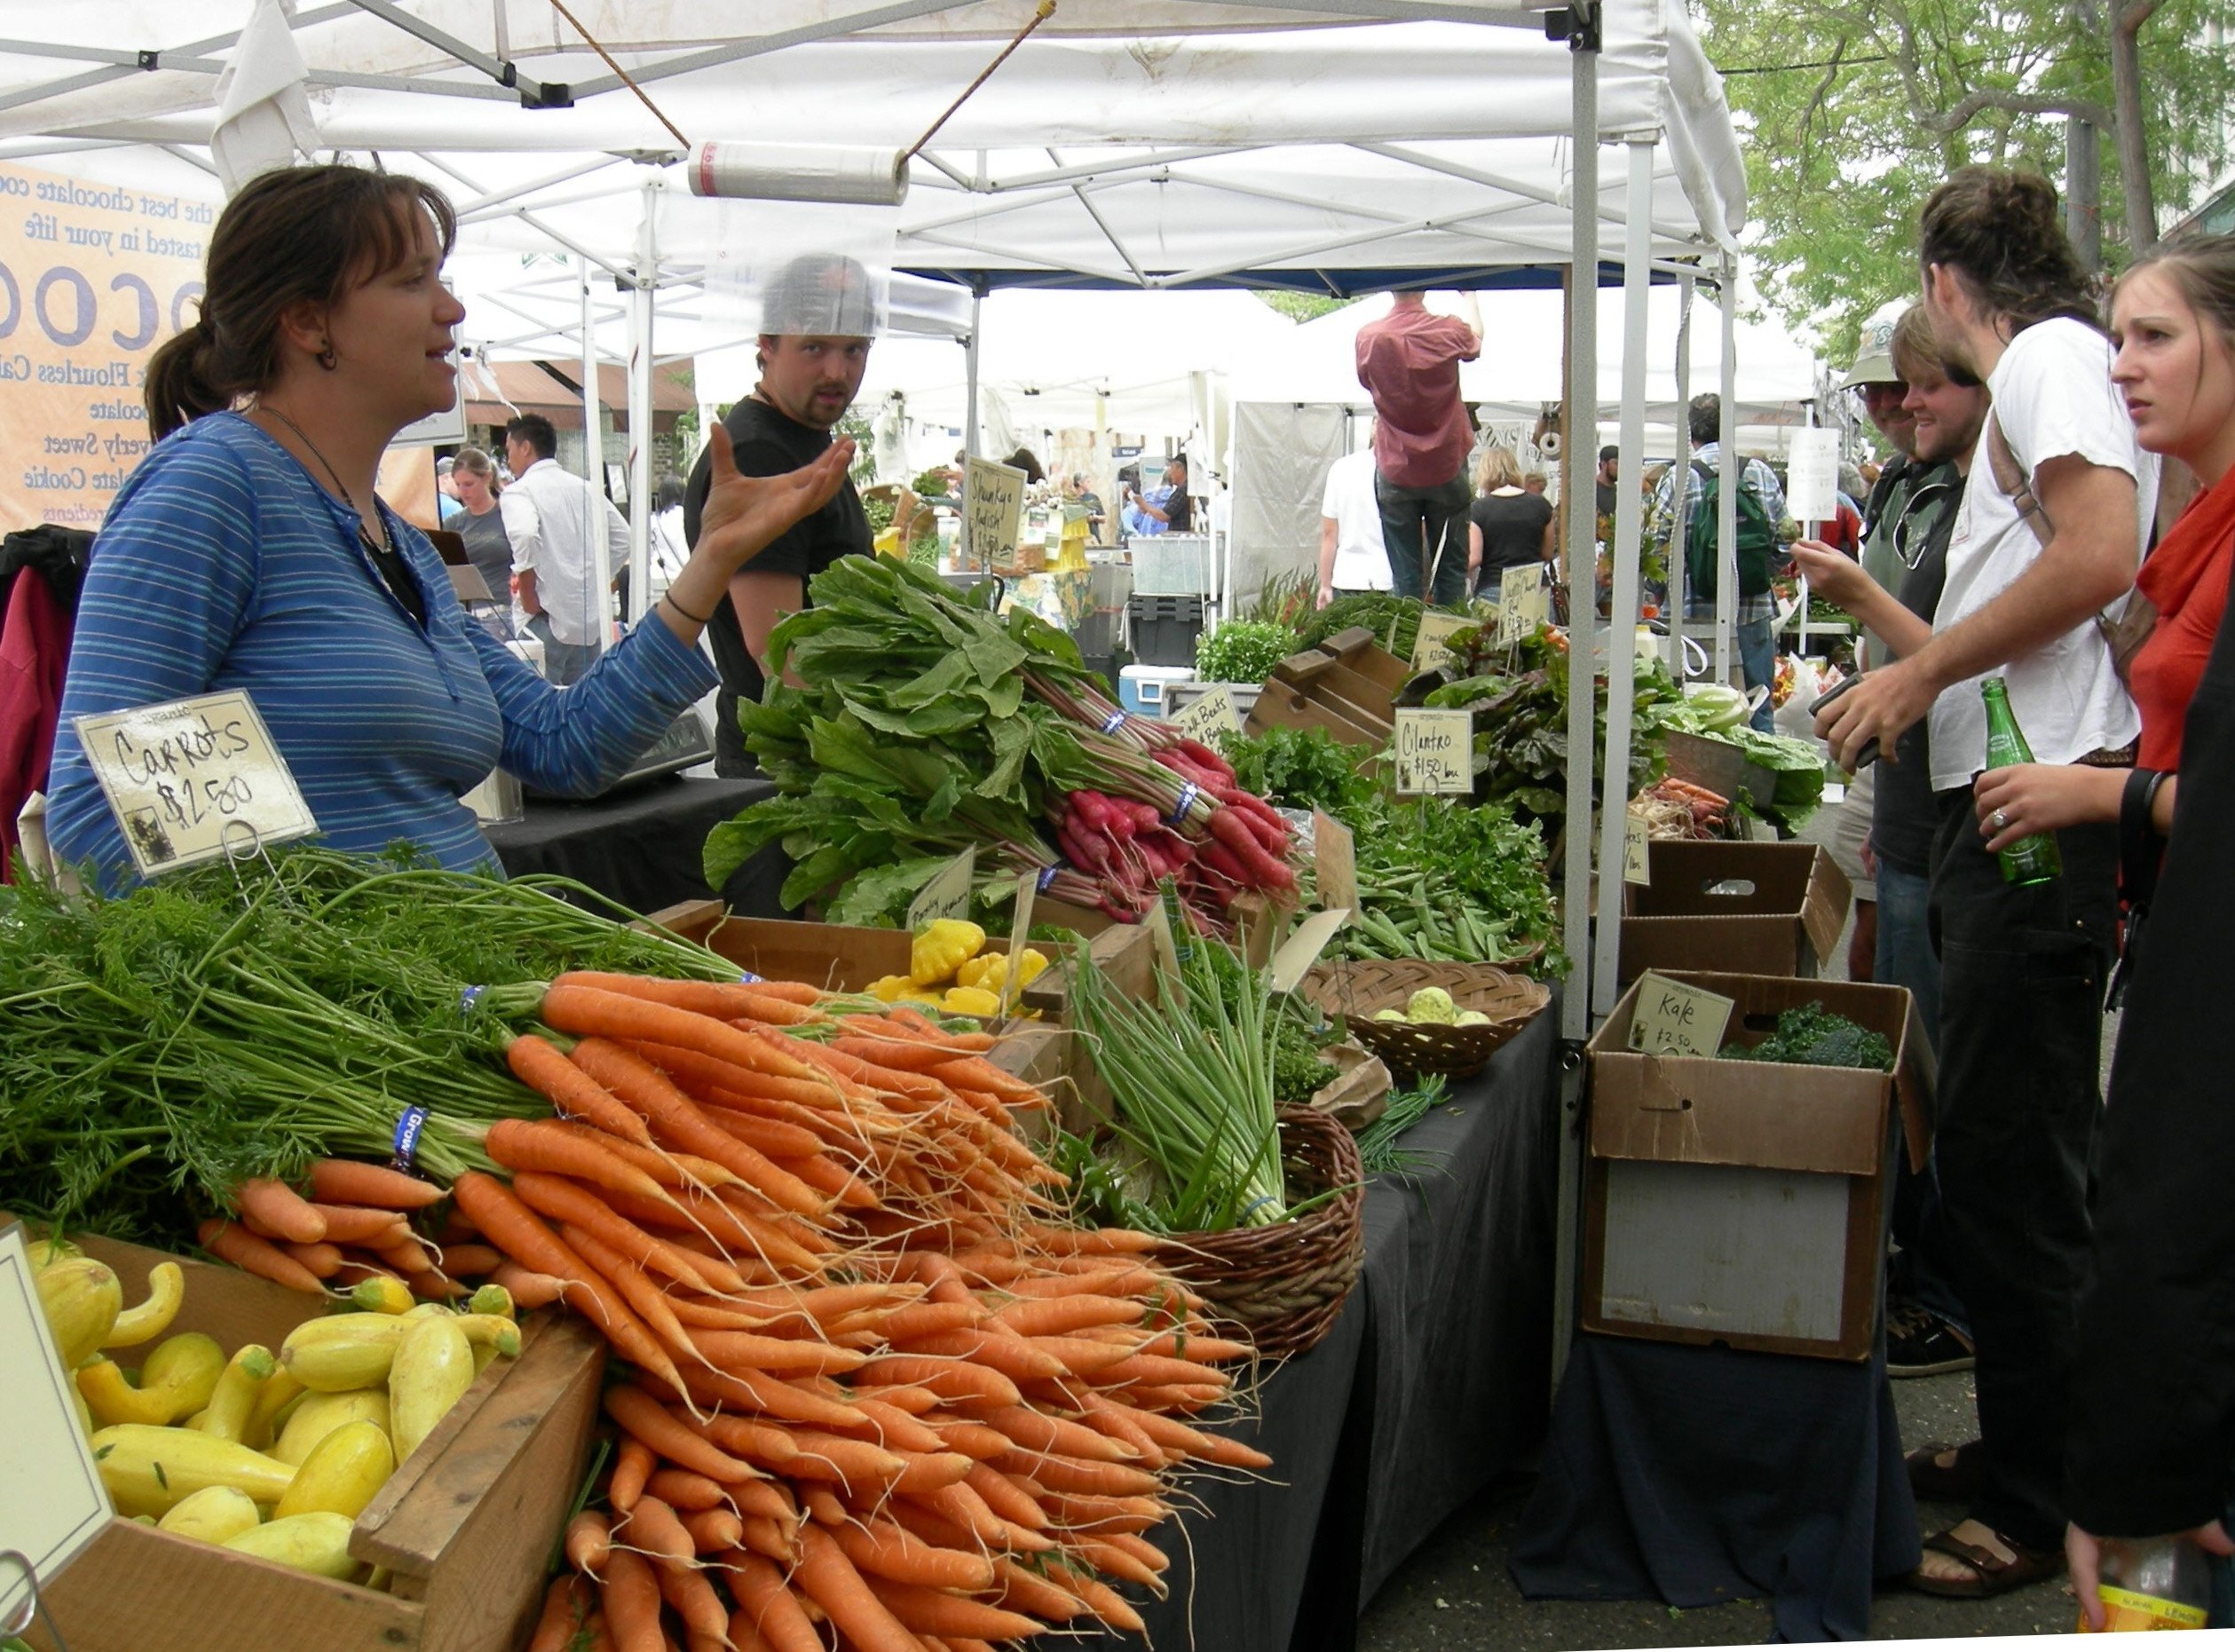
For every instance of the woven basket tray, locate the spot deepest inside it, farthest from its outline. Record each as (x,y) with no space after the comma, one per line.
(1355,990)
(1283,1284)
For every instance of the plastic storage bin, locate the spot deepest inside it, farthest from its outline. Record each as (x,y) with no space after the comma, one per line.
(1141,688)
(1163,629)
(1172,565)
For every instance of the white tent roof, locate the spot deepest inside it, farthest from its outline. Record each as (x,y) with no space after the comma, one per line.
(1147,142)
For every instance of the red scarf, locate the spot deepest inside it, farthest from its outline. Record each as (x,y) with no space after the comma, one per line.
(2171,571)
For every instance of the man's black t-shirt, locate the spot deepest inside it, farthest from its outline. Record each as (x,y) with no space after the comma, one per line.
(1512,529)
(1903,814)
(765,442)
(1609,500)
(1179,512)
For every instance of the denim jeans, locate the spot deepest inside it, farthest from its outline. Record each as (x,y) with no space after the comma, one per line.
(1415,516)
(2022,973)
(1923,1271)
(562,662)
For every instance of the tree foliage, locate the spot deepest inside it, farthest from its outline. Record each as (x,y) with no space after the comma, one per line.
(1852,113)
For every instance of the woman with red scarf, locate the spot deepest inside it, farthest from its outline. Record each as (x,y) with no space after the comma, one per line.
(2174,319)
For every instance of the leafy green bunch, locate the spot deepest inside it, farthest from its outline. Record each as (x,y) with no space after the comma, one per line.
(1300,769)
(1242,650)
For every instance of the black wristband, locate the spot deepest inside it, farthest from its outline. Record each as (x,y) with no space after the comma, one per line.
(669,599)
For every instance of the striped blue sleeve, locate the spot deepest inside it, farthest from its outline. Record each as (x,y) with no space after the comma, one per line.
(171,584)
(576,741)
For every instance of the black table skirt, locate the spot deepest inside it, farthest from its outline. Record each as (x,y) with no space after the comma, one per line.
(1434,1381)
(641,848)
(1695,1475)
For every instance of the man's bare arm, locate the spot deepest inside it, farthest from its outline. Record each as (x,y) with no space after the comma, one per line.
(760,600)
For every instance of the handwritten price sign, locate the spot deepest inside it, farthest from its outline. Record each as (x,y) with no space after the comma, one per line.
(1523,604)
(1435,753)
(1211,714)
(1676,1019)
(194,779)
(992,510)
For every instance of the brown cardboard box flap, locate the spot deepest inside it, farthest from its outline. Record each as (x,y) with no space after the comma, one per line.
(1715,1112)
(1717,905)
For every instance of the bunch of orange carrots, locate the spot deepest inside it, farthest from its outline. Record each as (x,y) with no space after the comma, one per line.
(879,1395)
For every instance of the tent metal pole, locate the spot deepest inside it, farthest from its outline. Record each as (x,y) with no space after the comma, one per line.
(1582,579)
(1679,487)
(970,408)
(641,297)
(600,601)
(1622,687)
(1726,503)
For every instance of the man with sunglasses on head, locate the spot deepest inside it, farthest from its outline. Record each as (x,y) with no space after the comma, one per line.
(1894,594)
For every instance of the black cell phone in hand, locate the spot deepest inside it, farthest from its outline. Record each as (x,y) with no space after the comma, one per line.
(1869,754)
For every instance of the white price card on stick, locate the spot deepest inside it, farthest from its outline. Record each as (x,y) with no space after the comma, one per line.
(1302,950)
(1028,891)
(194,779)
(993,509)
(1435,753)
(53,1502)
(1523,604)
(1430,650)
(1812,473)
(1637,853)
(1674,1018)
(1210,714)
(1335,859)
(947,894)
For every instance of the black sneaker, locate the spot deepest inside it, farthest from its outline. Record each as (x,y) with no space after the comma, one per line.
(1920,1343)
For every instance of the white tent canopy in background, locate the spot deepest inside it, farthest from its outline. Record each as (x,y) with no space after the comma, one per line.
(1521,365)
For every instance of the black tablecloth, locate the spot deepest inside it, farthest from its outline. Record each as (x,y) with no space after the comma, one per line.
(1433,1381)
(1695,1475)
(641,848)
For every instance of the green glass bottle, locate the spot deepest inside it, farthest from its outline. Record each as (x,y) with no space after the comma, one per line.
(2033,859)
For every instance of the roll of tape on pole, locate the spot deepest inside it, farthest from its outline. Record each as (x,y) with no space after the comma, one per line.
(856,177)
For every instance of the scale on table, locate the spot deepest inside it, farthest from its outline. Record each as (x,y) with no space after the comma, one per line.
(683,746)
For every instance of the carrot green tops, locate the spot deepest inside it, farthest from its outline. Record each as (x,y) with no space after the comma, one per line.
(223,565)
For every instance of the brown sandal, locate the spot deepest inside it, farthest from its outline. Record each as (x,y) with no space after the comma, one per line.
(1991,1574)
(1945,1473)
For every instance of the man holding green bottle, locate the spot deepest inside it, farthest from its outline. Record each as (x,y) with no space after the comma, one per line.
(2048,533)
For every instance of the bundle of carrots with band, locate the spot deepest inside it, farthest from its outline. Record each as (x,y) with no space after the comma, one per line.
(876,1388)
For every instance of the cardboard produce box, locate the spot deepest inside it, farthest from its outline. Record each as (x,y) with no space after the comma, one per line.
(1744,1203)
(1769,909)
(467,1524)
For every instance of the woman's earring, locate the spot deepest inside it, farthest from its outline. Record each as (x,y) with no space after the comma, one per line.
(327,359)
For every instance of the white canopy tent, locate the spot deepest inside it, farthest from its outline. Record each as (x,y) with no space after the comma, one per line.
(1142,143)
(1521,369)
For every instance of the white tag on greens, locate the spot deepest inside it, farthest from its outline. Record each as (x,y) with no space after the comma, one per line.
(53,1502)
(1677,1019)
(1429,652)
(1335,859)
(1637,853)
(947,894)
(1523,604)
(194,779)
(1210,714)
(992,510)
(1167,950)
(1436,752)
(1028,890)
(1302,949)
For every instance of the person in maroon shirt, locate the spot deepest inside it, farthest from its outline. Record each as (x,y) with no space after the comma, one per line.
(1409,361)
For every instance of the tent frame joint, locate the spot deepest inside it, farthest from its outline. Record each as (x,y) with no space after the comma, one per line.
(1579,23)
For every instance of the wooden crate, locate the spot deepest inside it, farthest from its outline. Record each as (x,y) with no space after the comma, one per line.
(847,958)
(467,1524)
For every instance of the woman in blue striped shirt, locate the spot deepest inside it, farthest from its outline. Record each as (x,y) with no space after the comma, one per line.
(248,549)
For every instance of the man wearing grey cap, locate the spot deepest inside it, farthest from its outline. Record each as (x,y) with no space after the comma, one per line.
(819,317)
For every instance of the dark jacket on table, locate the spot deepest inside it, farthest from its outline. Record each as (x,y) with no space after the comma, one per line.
(2151,1442)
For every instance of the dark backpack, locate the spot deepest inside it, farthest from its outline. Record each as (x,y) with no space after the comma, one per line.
(1756,537)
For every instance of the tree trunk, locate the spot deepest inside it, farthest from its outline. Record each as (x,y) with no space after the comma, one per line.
(2134,147)
(2083,194)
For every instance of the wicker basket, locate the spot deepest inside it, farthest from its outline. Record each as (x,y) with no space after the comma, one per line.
(1355,990)
(1283,1284)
